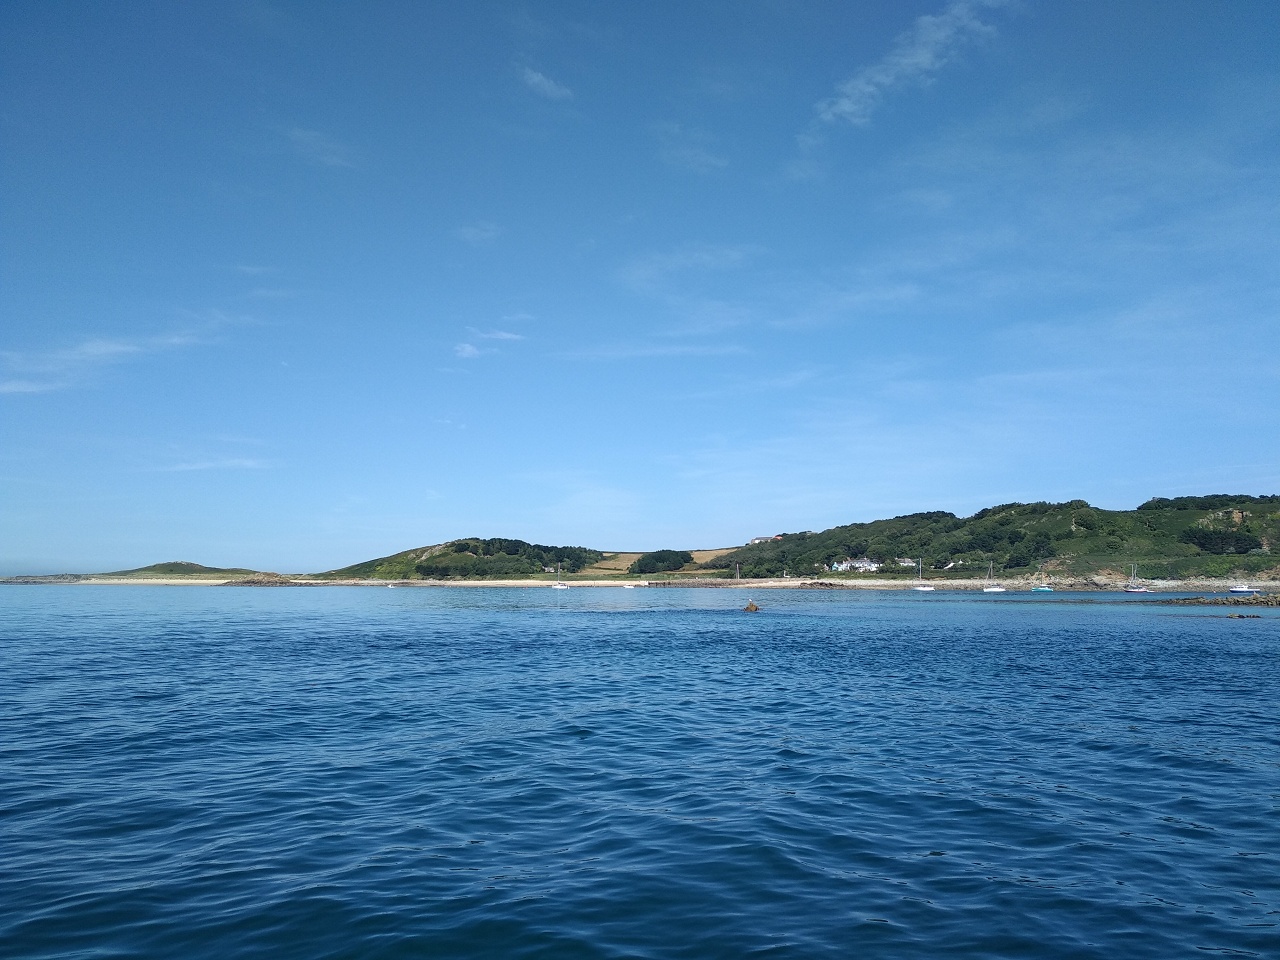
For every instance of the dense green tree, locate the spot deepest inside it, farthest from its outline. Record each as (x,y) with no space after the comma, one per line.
(660,560)
(1220,541)
(1216,501)
(502,558)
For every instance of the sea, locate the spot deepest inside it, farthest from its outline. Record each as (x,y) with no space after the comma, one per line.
(357,772)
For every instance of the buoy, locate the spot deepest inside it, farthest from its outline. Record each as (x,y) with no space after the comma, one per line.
(751,607)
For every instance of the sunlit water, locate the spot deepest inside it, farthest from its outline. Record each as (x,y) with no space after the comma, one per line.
(344,772)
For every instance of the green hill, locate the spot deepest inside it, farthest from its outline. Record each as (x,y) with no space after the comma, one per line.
(1222,535)
(471,557)
(1215,536)
(180,568)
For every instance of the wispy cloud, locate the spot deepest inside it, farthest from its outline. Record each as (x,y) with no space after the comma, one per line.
(544,86)
(639,351)
(931,43)
(319,147)
(46,371)
(468,350)
(650,272)
(691,149)
(234,463)
(480,232)
(700,287)
(496,334)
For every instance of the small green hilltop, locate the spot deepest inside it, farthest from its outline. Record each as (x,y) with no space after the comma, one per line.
(471,557)
(180,568)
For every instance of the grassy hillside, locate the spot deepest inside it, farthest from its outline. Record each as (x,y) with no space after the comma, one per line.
(1217,536)
(180,568)
(470,558)
(1214,536)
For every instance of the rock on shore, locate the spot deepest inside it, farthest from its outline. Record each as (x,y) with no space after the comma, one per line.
(263,580)
(1256,600)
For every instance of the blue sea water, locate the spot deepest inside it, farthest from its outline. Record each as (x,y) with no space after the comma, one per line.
(357,772)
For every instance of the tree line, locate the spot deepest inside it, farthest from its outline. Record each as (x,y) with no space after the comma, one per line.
(1018,536)
(499,557)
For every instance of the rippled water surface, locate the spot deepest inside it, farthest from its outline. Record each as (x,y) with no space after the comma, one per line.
(345,772)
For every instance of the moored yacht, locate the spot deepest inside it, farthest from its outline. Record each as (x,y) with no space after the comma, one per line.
(990,586)
(920,584)
(559,584)
(1133,585)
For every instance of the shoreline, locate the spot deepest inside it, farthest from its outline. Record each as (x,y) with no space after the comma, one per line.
(1059,584)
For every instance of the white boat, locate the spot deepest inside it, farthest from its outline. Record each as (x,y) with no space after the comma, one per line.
(920,584)
(559,584)
(1133,585)
(991,587)
(1042,588)
(1242,588)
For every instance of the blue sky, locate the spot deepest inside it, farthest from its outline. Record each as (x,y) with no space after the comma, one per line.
(295,285)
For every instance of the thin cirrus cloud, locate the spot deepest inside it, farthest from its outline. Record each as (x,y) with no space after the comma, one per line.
(469,351)
(918,54)
(480,232)
(233,463)
(318,147)
(544,86)
(656,271)
(43,372)
(691,149)
(643,351)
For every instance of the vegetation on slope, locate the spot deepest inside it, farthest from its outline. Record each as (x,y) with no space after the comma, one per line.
(660,561)
(180,568)
(472,557)
(1218,535)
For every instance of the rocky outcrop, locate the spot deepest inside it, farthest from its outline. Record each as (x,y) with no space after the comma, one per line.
(51,578)
(1256,600)
(263,580)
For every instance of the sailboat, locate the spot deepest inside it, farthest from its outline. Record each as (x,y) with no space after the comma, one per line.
(1133,586)
(559,584)
(920,584)
(1041,587)
(989,586)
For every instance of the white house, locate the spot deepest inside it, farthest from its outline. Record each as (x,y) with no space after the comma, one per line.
(861,565)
